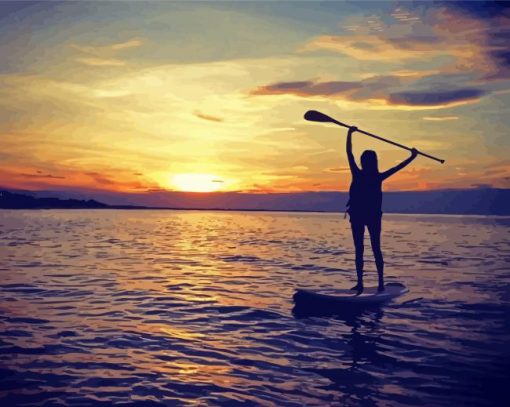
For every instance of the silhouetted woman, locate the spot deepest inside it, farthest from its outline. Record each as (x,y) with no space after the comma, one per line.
(364,206)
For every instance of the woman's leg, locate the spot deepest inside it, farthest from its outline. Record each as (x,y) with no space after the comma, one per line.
(374,229)
(358,234)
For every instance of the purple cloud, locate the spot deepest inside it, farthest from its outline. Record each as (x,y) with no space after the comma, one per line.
(41,175)
(307,88)
(379,88)
(435,98)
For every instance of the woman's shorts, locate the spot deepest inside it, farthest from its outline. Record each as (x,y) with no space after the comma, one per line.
(366,220)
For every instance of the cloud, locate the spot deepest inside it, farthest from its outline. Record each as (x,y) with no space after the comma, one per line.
(440,118)
(100,62)
(41,175)
(102,180)
(208,117)
(377,90)
(337,169)
(127,44)
(436,98)
(307,88)
(441,58)
(330,88)
(486,9)
(370,48)
(501,63)
(105,55)
(108,49)
(458,37)
(400,37)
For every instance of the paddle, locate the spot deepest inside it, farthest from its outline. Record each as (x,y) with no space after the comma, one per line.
(315,116)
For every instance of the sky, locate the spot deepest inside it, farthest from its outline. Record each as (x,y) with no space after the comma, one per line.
(209,96)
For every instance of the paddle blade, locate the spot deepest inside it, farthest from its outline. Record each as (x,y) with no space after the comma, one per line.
(315,116)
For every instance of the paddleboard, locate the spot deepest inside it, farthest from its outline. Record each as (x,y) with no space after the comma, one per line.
(350,298)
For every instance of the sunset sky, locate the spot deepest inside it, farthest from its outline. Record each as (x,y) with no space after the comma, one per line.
(205,96)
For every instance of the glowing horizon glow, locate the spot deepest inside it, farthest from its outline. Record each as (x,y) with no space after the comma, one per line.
(196,183)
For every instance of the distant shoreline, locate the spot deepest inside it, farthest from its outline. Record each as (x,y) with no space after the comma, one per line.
(478,202)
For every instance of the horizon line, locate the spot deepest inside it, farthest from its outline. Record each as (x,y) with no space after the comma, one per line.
(86,190)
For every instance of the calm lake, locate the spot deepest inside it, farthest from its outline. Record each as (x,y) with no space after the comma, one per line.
(195,308)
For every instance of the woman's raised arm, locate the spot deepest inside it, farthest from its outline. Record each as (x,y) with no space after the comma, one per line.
(352,162)
(396,168)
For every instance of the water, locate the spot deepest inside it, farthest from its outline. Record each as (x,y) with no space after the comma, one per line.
(195,308)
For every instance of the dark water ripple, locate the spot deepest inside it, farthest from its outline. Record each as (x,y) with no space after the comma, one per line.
(195,308)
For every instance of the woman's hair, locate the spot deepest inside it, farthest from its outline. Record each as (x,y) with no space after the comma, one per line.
(369,161)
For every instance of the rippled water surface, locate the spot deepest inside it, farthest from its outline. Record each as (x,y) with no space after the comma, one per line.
(195,308)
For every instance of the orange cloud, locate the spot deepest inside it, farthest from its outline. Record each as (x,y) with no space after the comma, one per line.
(478,46)
(22,177)
(337,169)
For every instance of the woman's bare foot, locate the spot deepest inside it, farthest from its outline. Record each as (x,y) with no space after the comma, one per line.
(359,288)
(380,288)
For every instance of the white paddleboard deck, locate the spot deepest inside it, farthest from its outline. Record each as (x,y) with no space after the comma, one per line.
(369,296)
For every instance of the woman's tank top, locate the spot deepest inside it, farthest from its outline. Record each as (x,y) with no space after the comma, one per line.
(365,195)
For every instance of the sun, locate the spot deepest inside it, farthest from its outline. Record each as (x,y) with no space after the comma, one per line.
(196,182)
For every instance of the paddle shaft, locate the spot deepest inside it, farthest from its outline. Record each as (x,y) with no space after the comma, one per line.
(387,141)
